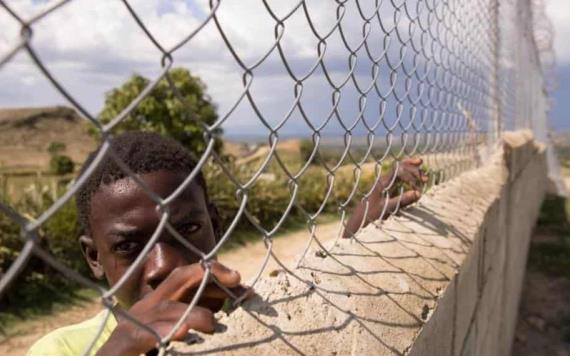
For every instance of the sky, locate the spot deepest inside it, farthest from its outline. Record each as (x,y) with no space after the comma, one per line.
(92,47)
(559,13)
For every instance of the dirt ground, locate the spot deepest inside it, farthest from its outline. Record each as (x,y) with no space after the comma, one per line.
(544,314)
(246,259)
(544,302)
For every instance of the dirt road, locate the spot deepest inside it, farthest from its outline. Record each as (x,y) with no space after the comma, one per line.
(246,259)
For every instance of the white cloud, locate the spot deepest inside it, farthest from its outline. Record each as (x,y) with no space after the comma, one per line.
(91,47)
(559,13)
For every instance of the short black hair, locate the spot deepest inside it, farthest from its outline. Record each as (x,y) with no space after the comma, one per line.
(142,152)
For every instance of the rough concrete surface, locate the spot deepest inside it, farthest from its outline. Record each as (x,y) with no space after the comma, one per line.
(443,278)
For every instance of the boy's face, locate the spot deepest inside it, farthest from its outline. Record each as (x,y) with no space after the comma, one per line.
(123,218)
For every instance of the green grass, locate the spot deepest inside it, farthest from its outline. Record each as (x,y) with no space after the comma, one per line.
(13,186)
(552,257)
(46,302)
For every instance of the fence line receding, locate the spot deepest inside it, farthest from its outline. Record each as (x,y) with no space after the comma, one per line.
(395,79)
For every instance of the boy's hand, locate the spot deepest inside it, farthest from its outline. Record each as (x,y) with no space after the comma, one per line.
(408,173)
(163,307)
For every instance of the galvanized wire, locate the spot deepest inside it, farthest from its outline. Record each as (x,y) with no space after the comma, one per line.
(442,80)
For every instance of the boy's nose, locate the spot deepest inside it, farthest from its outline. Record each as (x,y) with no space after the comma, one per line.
(162,259)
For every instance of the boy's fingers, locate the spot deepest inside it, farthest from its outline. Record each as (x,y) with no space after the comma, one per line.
(199,319)
(168,313)
(214,297)
(178,283)
(410,177)
(183,281)
(413,175)
(415,161)
(227,277)
(413,170)
(213,291)
(409,197)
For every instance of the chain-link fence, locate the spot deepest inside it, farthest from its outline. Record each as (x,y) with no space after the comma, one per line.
(435,79)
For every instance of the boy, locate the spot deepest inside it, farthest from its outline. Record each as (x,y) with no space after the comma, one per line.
(118,218)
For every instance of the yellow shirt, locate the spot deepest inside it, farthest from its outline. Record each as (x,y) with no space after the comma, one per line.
(75,339)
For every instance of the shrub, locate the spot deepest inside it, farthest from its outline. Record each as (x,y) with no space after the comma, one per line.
(61,164)
(10,242)
(55,148)
(306,148)
(61,233)
(313,187)
(58,236)
(267,199)
(270,195)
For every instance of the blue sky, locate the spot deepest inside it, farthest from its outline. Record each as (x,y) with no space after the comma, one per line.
(560,115)
(92,48)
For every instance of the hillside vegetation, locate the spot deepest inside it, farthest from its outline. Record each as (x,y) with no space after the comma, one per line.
(25,135)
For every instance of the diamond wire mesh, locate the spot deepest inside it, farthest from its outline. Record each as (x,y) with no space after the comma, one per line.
(444,79)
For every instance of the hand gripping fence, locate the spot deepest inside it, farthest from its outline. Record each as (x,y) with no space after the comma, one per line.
(441,80)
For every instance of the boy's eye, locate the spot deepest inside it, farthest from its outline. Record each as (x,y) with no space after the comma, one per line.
(126,247)
(189,228)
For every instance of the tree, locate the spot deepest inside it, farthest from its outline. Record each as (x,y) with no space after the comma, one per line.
(59,163)
(161,110)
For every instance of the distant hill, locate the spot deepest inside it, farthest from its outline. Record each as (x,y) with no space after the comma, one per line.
(561,138)
(26,133)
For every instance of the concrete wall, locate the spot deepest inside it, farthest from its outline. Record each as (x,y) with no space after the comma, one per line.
(444,278)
